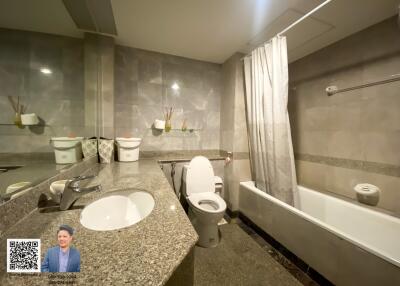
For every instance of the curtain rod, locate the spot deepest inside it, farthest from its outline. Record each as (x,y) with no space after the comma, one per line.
(295,23)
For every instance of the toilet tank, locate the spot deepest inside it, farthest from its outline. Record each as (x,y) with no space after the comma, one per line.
(184,172)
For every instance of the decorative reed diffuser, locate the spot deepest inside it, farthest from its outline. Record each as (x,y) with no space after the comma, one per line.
(18,109)
(184,126)
(168,117)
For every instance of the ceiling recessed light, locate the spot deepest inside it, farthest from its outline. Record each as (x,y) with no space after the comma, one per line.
(175,86)
(46,71)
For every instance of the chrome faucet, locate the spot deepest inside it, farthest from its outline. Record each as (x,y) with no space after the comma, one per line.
(73,191)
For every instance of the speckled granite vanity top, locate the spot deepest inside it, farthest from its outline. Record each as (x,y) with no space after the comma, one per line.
(146,253)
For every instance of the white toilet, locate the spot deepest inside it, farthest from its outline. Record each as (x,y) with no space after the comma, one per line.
(206,208)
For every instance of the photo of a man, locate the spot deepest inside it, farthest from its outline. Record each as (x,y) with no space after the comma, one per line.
(62,258)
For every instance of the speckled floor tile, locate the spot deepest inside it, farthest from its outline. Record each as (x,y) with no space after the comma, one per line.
(298,270)
(238,260)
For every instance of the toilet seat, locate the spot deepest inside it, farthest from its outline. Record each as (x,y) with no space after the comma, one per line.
(207,202)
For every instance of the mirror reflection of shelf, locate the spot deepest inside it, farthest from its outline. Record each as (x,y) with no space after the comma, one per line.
(190,130)
(13,124)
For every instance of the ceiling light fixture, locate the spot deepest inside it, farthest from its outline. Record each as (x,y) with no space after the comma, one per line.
(46,71)
(175,86)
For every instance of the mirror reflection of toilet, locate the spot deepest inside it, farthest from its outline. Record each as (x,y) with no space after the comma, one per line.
(206,208)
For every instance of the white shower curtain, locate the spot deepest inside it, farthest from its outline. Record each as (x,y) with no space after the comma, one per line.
(270,142)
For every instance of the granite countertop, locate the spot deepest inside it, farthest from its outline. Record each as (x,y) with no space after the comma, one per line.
(146,253)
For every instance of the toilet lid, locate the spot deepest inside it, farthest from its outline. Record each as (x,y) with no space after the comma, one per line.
(199,176)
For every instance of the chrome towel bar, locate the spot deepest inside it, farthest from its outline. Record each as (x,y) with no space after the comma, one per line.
(333,89)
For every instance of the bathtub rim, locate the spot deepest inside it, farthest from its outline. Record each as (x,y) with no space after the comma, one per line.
(250,185)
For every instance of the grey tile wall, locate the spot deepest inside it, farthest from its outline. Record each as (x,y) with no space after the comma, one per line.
(105,95)
(360,126)
(57,98)
(143,89)
(234,130)
(65,103)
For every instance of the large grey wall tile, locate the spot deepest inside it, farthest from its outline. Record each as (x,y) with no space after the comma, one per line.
(184,76)
(150,94)
(150,69)
(233,128)
(361,124)
(145,91)
(57,98)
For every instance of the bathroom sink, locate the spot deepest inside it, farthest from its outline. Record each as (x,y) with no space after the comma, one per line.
(117,210)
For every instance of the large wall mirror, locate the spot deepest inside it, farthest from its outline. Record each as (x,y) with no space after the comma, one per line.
(48,90)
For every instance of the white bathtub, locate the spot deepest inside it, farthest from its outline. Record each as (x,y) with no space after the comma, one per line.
(347,243)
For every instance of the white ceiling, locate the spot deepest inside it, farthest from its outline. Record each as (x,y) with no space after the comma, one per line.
(46,16)
(209,30)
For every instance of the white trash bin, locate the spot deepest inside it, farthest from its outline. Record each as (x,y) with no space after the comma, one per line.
(67,150)
(128,149)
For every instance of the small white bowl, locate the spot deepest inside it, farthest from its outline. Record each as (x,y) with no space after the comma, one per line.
(56,190)
(12,188)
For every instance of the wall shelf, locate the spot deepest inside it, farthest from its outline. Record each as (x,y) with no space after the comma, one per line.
(188,130)
(37,125)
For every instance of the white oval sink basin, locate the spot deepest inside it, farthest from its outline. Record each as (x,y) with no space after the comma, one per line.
(117,210)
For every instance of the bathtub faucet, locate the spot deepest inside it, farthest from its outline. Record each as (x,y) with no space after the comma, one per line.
(73,191)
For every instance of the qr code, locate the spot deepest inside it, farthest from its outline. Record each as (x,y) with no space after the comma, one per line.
(23,255)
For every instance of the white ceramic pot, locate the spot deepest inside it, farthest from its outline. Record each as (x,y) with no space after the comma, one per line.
(128,149)
(67,150)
